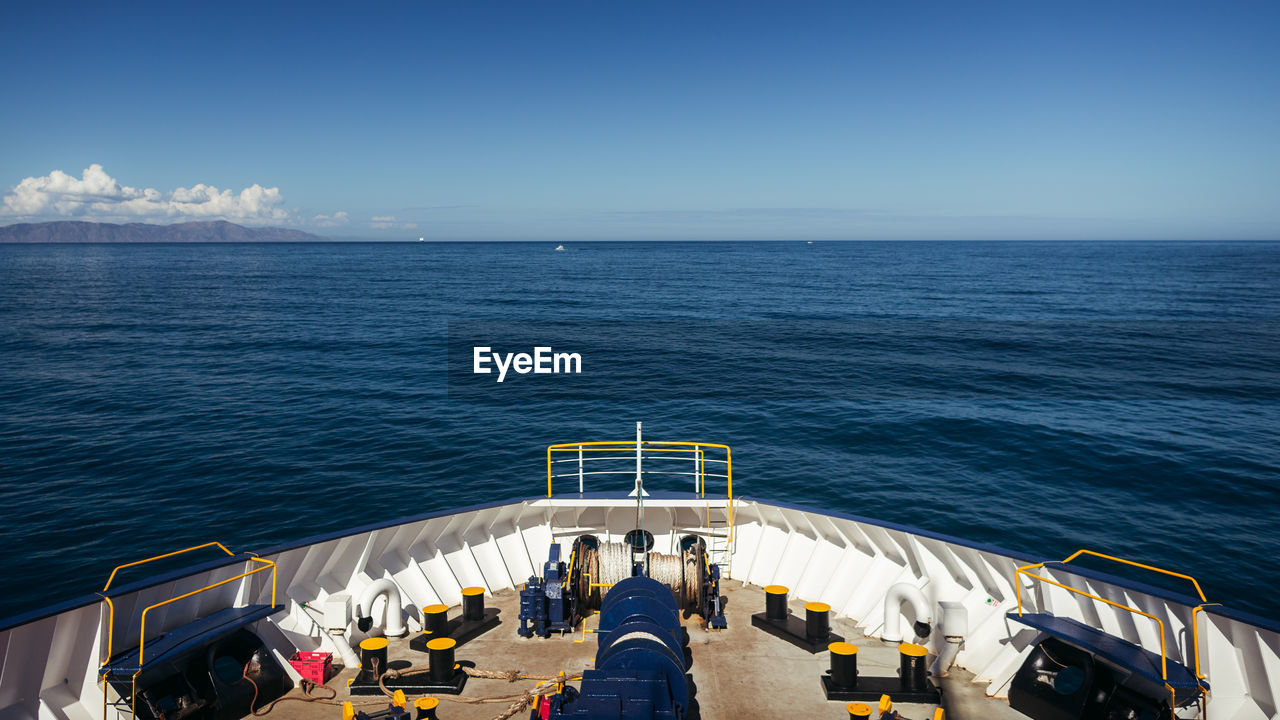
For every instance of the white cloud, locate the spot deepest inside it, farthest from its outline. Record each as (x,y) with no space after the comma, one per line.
(384,222)
(97,195)
(334,220)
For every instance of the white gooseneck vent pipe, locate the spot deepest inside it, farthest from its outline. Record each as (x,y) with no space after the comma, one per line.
(393,622)
(893,610)
(335,639)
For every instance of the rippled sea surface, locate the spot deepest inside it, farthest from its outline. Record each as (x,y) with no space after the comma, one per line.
(1043,397)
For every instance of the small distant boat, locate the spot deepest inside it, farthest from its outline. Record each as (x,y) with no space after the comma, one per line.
(810,242)
(559,247)
(422,239)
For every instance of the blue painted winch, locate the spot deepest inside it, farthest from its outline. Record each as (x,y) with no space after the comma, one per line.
(567,592)
(640,664)
(546,605)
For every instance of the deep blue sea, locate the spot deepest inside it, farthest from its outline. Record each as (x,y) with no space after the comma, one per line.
(1044,397)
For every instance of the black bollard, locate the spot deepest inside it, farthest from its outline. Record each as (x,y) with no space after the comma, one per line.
(817,620)
(844,665)
(435,617)
(913,673)
(775,602)
(473,604)
(440,659)
(373,656)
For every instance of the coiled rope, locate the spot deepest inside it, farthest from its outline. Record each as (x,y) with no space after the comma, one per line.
(611,563)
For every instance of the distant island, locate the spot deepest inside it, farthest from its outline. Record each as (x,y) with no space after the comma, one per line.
(69,231)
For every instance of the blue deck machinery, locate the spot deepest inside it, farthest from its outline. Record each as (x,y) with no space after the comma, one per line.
(640,665)
(547,604)
(642,656)
(567,592)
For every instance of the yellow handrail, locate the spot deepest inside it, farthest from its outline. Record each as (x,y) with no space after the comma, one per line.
(1195,636)
(699,474)
(666,446)
(1025,570)
(111,620)
(1152,568)
(142,633)
(111,607)
(702,473)
(112,577)
(621,446)
(142,639)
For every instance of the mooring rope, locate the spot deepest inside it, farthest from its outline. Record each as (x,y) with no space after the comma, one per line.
(615,563)
(668,570)
(308,688)
(547,685)
(611,563)
(693,575)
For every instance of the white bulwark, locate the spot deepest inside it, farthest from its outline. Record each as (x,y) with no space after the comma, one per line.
(51,659)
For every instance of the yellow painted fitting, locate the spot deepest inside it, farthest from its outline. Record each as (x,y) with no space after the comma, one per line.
(913,650)
(843,648)
(776,589)
(473,591)
(348,711)
(432,609)
(859,710)
(374,643)
(817,607)
(399,700)
(886,704)
(441,643)
(426,703)
(938,714)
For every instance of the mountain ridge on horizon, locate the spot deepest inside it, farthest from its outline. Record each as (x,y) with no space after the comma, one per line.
(77,231)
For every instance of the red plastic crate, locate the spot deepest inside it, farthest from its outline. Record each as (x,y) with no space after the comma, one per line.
(314,666)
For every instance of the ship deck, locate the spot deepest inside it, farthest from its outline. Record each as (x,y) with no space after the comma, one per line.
(738,672)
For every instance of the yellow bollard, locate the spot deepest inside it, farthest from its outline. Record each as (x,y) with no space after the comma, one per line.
(426,707)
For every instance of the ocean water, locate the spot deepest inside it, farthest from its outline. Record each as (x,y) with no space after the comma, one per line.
(1043,397)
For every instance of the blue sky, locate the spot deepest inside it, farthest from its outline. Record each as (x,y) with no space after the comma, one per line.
(656,120)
